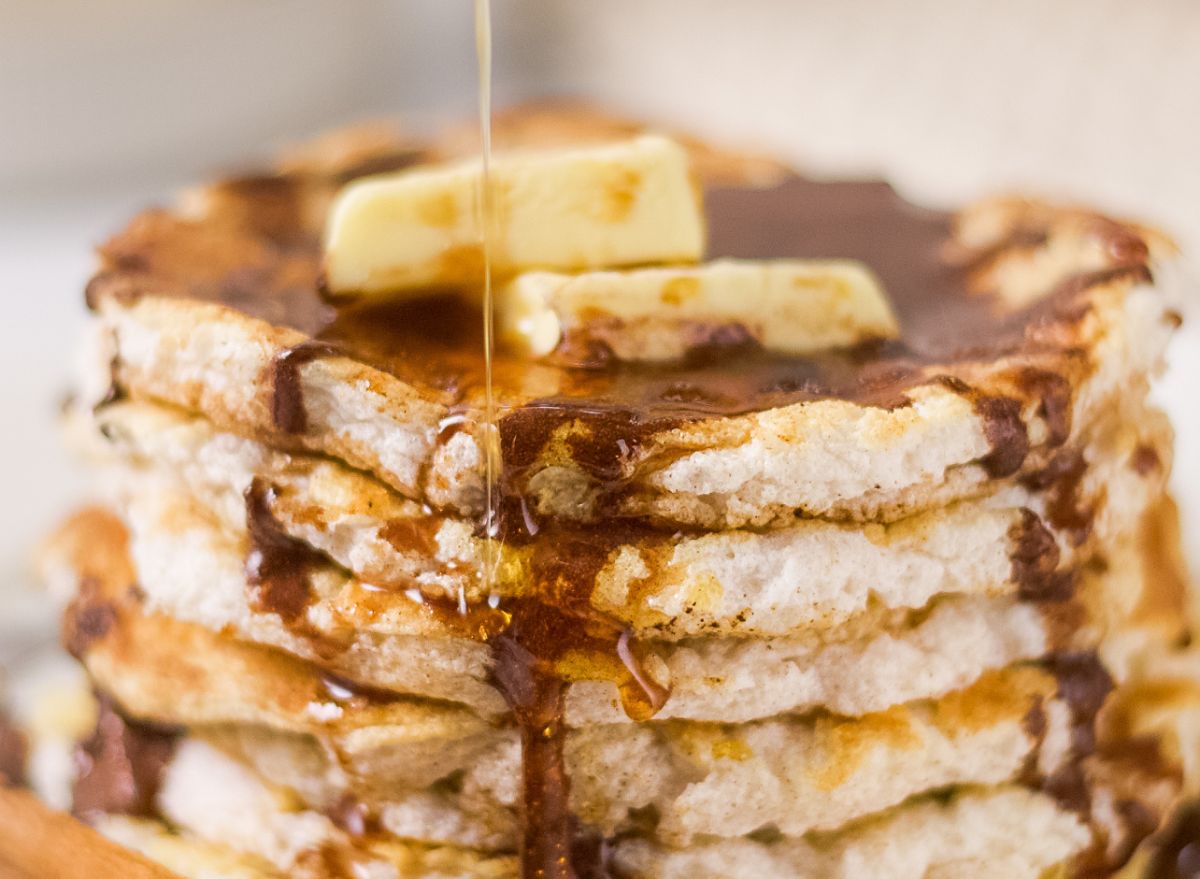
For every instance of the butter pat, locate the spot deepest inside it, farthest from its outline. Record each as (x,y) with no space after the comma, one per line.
(619,204)
(655,314)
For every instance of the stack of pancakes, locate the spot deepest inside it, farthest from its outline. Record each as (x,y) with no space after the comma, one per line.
(914,609)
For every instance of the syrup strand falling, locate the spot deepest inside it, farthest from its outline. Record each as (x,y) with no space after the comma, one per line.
(483,54)
(533,692)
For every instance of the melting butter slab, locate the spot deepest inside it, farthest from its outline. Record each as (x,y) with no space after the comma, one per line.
(787,306)
(628,203)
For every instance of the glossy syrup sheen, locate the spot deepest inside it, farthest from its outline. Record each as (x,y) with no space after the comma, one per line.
(437,343)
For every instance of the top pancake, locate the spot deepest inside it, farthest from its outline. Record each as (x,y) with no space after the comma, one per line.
(1019,322)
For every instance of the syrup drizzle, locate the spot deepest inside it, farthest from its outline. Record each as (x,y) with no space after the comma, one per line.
(532,690)
(537,630)
(483,53)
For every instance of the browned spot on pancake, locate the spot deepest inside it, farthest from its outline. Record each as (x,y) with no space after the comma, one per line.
(121,286)
(287,207)
(732,748)
(309,514)
(333,859)
(90,617)
(999,696)
(417,536)
(120,767)
(1164,601)
(384,161)
(269,205)
(850,742)
(163,255)
(1145,460)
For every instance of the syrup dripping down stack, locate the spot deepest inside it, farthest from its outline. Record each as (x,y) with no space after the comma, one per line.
(909,609)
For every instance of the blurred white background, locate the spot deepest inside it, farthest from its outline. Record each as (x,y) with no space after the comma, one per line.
(108,104)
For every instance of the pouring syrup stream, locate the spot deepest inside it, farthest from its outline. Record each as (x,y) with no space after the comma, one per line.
(483,54)
(532,690)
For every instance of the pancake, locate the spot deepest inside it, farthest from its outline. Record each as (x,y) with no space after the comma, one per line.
(167,674)
(731,781)
(869,666)
(208,783)
(424,813)
(809,574)
(992,821)
(1049,315)
(194,857)
(965,834)
(257,819)
(209,786)
(391,744)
